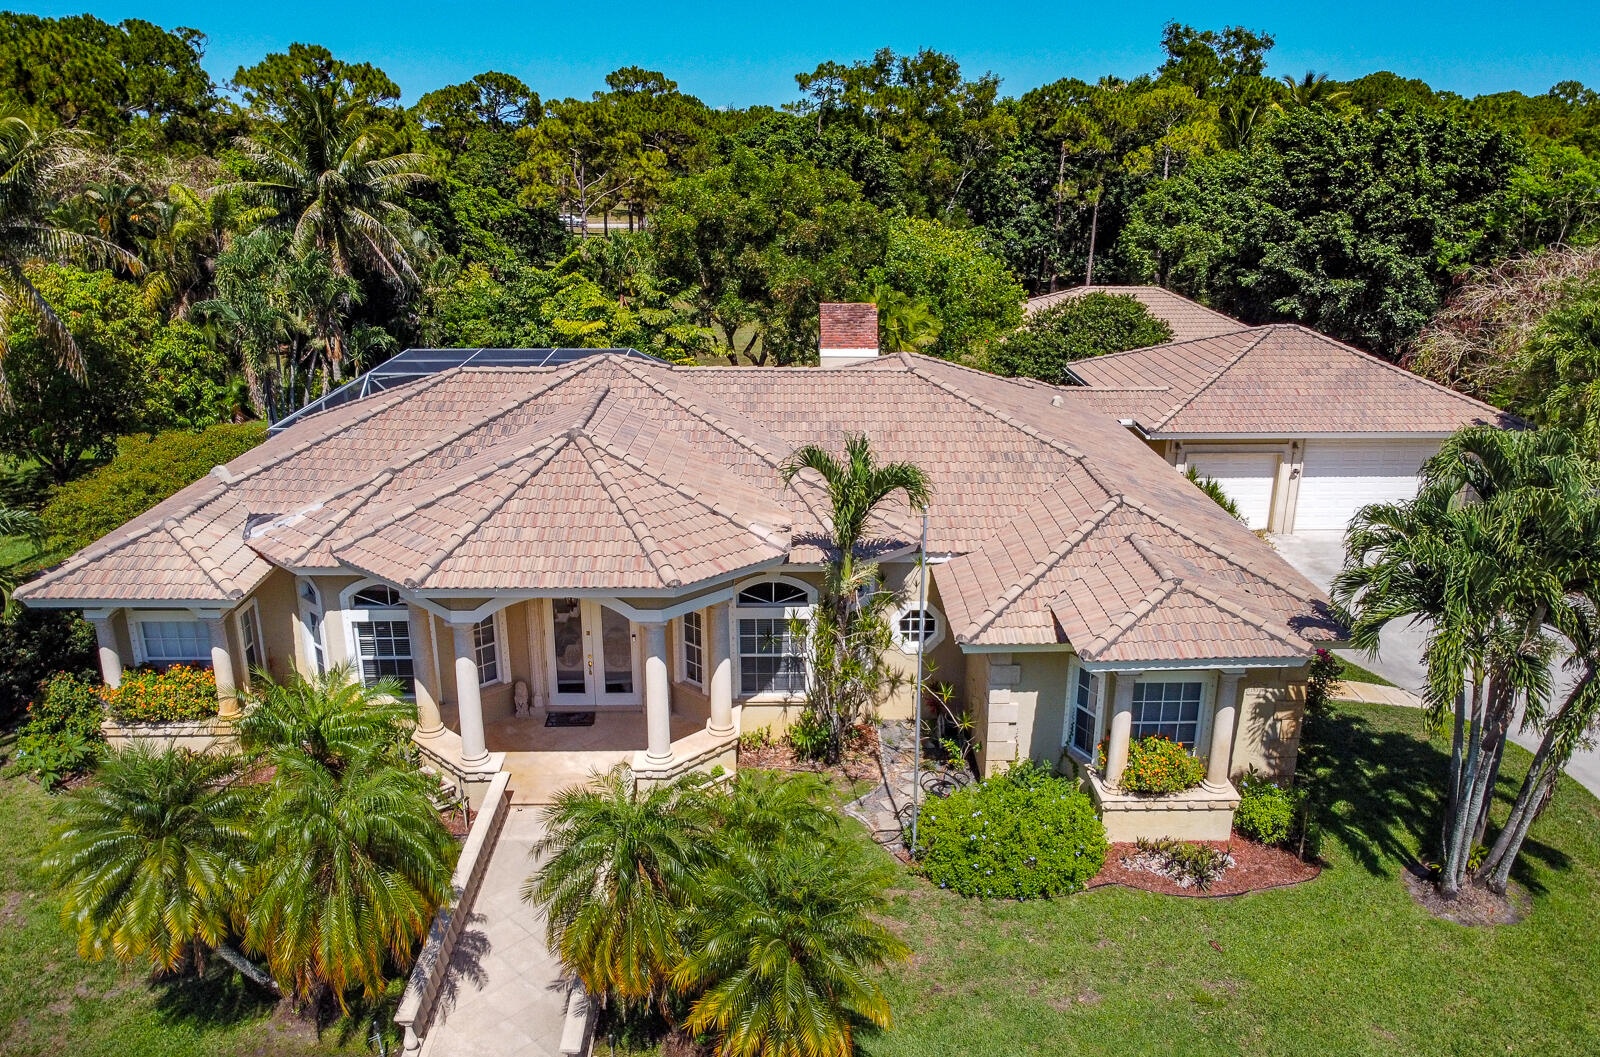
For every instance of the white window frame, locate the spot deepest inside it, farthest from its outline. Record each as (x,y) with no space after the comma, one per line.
(313,627)
(909,646)
(352,615)
(737,613)
(247,625)
(1097,702)
(699,616)
(138,618)
(1208,698)
(497,623)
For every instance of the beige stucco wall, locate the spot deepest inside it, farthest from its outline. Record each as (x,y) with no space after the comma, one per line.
(1272,704)
(1019,700)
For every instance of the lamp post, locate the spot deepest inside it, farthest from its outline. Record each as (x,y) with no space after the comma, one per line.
(916,705)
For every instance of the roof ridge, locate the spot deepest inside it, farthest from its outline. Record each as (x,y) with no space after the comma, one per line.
(1210,380)
(1225,553)
(694,495)
(705,414)
(630,514)
(1363,355)
(1002,415)
(1137,612)
(1244,328)
(1044,565)
(208,565)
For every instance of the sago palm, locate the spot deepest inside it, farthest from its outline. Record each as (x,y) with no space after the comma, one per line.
(149,858)
(329,720)
(782,947)
(617,867)
(763,810)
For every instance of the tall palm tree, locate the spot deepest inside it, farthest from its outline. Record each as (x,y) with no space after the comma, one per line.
(192,230)
(781,946)
(352,861)
(33,164)
(1314,89)
(149,859)
(857,486)
(618,866)
(332,171)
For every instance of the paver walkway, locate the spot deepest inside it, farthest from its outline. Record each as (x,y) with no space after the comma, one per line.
(886,808)
(505,993)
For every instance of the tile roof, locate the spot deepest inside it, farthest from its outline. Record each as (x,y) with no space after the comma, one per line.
(1280,379)
(621,475)
(1188,319)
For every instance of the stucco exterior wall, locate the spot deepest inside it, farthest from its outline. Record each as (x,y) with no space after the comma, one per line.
(1022,697)
(1272,704)
(280,625)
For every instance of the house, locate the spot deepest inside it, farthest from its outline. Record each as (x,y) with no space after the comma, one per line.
(608,542)
(1300,430)
(1187,319)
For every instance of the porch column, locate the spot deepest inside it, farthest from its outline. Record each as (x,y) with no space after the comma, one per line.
(657,694)
(721,684)
(1121,727)
(1227,714)
(105,637)
(429,721)
(469,704)
(222,668)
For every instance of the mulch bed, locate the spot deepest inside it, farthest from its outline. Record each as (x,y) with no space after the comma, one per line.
(1475,905)
(1256,867)
(860,758)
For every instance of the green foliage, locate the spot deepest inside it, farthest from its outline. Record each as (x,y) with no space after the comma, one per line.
(969,291)
(1213,490)
(1557,375)
(62,734)
(145,471)
(176,694)
(1076,328)
(1160,765)
(1186,862)
(1022,834)
(808,736)
(1265,812)
(35,644)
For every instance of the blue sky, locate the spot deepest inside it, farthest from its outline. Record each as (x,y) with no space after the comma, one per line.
(744,53)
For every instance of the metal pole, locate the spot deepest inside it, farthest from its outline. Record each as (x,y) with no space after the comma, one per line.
(916,707)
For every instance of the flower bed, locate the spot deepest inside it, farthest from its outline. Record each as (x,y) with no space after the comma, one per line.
(178,694)
(1158,765)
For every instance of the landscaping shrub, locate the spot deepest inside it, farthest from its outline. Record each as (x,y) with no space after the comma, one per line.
(1019,835)
(1265,812)
(1160,765)
(808,736)
(150,696)
(1183,861)
(62,734)
(35,643)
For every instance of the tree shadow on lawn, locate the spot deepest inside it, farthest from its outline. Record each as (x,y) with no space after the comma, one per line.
(218,998)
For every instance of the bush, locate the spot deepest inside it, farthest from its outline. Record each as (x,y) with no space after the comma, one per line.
(808,736)
(1074,329)
(1159,765)
(1183,861)
(1265,813)
(35,643)
(62,734)
(1023,834)
(177,694)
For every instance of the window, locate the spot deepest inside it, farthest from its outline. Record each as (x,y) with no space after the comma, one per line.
(694,648)
(174,641)
(772,660)
(1171,710)
(311,613)
(250,638)
(913,626)
(486,646)
(381,628)
(1083,713)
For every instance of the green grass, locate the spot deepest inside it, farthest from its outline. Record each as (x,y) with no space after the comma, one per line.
(54,1003)
(1351,672)
(1345,964)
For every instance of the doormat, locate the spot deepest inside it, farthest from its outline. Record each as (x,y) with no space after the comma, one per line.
(569,719)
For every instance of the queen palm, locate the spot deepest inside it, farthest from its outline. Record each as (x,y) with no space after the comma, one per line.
(781,946)
(33,164)
(617,867)
(149,859)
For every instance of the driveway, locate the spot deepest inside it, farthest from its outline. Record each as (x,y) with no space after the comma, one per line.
(1319,555)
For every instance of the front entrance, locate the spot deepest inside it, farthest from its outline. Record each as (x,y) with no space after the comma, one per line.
(595,656)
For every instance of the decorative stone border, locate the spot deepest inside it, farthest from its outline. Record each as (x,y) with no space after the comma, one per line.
(1194,814)
(197,735)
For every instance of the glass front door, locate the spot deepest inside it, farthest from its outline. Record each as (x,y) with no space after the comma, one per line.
(594,655)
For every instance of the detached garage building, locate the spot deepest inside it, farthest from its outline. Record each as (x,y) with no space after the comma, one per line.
(1300,430)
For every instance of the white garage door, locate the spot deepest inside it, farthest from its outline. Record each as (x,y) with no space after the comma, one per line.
(1342,476)
(1246,478)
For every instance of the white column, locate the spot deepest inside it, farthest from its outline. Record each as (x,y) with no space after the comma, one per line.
(1121,727)
(105,637)
(469,705)
(720,687)
(429,722)
(657,694)
(222,668)
(1222,724)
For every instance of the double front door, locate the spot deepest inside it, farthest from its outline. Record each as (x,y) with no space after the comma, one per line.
(595,658)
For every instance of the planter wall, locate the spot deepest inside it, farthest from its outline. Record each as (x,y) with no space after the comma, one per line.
(198,735)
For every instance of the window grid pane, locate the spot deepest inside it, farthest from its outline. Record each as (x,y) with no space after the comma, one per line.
(384,647)
(917,625)
(251,634)
(487,649)
(693,649)
(171,641)
(1083,713)
(1171,710)
(770,658)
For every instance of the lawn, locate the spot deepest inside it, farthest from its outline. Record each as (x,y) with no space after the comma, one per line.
(54,1003)
(1344,964)
(1354,673)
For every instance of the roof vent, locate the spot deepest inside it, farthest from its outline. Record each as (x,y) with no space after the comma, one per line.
(849,333)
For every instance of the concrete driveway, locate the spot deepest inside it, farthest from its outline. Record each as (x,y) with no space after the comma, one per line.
(1319,555)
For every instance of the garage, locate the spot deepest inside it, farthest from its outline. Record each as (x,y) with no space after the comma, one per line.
(1342,476)
(1247,478)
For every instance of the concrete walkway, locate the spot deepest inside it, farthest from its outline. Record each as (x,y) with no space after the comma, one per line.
(1320,555)
(505,993)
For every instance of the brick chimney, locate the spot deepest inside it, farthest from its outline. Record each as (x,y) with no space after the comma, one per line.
(849,333)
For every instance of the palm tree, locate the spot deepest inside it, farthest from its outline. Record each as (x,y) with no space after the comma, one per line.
(320,296)
(352,861)
(33,163)
(149,859)
(781,946)
(331,170)
(857,487)
(1314,89)
(192,230)
(907,323)
(618,864)
(762,810)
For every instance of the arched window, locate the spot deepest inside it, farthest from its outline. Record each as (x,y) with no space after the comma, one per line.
(380,634)
(772,658)
(913,626)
